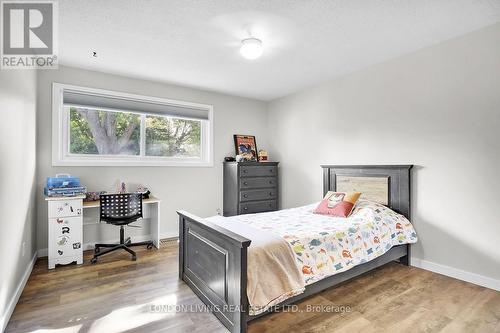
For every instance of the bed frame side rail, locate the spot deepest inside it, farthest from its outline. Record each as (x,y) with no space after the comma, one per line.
(213,262)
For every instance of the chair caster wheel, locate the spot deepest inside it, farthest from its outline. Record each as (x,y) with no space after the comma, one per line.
(150,246)
(134,258)
(93,261)
(97,250)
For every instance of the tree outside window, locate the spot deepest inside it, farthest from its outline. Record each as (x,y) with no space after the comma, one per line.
(97,132)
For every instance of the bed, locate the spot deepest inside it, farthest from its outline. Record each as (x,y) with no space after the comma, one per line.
(214,252)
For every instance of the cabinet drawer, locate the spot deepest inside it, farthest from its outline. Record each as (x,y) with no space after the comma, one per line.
(65,236)
(266,194)
(65,251)
(258,171)
(258,206)
(65,208)
(258,182)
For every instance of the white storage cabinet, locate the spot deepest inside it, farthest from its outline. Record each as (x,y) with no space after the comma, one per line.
(65,231)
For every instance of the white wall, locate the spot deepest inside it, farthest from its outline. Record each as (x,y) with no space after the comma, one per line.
(438,109)
(17,180)
(198,190)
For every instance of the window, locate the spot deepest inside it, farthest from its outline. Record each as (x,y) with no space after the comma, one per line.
(169,136)
(95,132)
(97,127)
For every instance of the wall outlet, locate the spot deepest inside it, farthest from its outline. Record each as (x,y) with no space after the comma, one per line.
(23,249)
(218,211)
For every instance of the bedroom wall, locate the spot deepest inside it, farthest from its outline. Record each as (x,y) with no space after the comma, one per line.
(196,189)
(439,109)
(17,190)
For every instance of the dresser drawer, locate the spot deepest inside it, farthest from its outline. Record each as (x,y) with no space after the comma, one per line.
(258,182)
(265,194)
(258,206)
(65,208)
(258,171)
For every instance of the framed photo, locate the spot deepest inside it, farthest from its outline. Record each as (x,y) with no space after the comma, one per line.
(246,146)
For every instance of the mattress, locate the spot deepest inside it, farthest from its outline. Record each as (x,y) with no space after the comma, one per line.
(326,245)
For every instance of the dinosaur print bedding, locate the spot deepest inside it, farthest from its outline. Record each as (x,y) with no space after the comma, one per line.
(325,245)
(293,248)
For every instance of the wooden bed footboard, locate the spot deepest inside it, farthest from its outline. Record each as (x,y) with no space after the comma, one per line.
(213,262)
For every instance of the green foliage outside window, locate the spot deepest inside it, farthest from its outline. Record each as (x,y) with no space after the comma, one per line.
(167,136)
(94,132)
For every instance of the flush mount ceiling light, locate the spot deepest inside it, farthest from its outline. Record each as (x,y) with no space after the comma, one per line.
(251,48)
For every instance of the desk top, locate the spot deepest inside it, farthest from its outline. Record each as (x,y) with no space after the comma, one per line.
(96,204)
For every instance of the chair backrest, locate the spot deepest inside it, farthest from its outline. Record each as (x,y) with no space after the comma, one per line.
(125,207)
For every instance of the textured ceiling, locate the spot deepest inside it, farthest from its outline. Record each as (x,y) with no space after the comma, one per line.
(196,43)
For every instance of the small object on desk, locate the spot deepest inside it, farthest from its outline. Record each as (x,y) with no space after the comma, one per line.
(63,185)
(229,159)
(93,196)
(144,191)
(123,188)
(62,180)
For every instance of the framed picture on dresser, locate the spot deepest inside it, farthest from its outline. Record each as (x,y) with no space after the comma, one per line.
(246,147)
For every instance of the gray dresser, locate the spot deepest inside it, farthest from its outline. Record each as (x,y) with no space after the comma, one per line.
(250,187)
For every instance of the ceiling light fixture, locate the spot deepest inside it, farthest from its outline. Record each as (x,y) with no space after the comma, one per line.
(251,48)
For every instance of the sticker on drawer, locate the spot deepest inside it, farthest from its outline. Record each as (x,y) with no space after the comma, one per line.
(64,246)
(62,208)
(62,240)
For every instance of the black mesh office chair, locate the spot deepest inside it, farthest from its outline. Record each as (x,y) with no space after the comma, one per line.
(120,209)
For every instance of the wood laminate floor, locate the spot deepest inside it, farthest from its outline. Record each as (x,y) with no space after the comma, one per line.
(119,295)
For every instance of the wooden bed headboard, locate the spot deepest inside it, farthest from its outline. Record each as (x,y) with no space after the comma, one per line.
(386,184)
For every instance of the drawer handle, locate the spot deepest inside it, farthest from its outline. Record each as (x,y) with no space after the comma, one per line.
(245,183)
(244,170)
(245,195)
(271,193)
(245,208)
(271,170)
(270,182)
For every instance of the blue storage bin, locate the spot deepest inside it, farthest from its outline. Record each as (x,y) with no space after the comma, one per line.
(65,192)
(62,181)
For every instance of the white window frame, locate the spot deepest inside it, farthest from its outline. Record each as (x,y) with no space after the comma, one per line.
(60,134)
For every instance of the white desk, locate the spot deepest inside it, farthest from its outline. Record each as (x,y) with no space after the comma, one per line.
(154,205)
(65,219)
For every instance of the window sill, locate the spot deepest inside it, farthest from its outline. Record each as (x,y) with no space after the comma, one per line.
(132,163)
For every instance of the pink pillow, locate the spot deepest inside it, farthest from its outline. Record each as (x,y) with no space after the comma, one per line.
(338,204)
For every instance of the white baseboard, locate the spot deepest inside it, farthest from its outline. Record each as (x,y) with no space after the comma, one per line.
(456,273)
(169,235)
(4,320)
(90,245)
